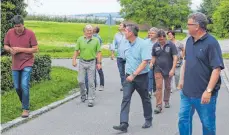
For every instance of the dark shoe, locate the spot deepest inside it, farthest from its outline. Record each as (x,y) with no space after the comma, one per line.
(90,104)
(167,105)
(121,89)
(122,127)
(157,110)
(147,124)
(25,114)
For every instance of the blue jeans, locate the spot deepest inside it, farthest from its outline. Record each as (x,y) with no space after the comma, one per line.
(152,83)
(21,80)
(121,67)
(206,113)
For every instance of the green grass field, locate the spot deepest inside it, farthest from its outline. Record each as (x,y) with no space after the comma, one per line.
(41,94)
(54,36)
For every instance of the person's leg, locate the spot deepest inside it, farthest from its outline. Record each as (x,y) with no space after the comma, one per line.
(154,82)
(25,82)
(207,114)
(16,79)
(177,76)
(91,83)
(101,76)
(158,94)
(141,84)
(121,68)
(128,90)
(167,91)
(185,115)
(150,84)
(86,82)
(81,79)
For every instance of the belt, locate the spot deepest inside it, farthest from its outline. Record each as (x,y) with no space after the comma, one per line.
(88,60)
(137,75)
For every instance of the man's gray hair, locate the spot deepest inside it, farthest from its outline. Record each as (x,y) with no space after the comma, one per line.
(153,29)
(200,19)
(88,26)
(133,28)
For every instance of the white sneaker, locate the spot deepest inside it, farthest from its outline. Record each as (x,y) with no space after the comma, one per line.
(101,88)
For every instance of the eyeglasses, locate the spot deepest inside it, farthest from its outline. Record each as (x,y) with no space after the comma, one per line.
(191,24)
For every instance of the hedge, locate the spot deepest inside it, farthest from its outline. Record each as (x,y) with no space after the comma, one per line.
(41,71)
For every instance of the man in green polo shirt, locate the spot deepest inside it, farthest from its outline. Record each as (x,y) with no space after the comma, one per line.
(88,47)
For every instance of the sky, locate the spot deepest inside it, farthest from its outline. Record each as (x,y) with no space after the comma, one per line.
(70,7)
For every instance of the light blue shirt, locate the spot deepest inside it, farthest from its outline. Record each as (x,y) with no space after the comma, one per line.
(120,44)
(150,43)
(100,39)
(135,54)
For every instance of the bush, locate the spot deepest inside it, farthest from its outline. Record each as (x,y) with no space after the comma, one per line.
(221,19)
(41,71)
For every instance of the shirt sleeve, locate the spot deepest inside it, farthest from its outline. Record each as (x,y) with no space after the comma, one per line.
(215,56)
(145,54)
(113,45)
(77,48)
(33,40)
(7,39)
(98,47)
(174,49)
(153,50)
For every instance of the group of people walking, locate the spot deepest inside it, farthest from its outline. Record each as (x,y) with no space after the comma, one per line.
(143,64)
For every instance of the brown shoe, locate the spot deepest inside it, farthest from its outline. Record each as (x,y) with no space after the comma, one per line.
(25,114)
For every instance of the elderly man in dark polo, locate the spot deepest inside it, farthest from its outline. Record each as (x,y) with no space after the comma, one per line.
(88,47)
(137,57)
(21,43)
(200,78)
(164,58)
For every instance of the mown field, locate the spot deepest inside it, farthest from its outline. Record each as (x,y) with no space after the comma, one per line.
(57,39)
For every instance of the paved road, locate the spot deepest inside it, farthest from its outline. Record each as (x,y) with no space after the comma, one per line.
(75,118)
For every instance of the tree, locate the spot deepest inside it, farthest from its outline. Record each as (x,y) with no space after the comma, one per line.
(166,13)
(221,19)
(10,8)
(208,7)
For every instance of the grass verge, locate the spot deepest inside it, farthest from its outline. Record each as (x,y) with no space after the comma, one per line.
(41,94)
(226,55)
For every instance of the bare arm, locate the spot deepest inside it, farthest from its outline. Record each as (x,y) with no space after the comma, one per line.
(99,57)
(214,78)
(141,67)
(181,82)
(75,55)
(7,48)
(34,49)
(174,62)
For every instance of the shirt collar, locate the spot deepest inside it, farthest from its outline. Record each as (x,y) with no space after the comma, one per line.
(202,38)
(132,44)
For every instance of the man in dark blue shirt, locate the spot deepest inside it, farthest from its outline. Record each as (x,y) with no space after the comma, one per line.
(200,78)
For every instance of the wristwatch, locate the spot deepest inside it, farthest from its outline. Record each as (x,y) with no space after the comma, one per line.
(209,90)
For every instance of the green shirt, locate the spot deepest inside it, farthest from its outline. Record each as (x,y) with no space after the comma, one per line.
(88,48)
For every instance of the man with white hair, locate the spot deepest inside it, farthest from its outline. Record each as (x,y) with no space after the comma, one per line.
(88,47)
(152,34)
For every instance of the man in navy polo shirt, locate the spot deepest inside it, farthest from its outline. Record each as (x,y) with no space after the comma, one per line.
(200,78)
(137,57)
(164,58)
